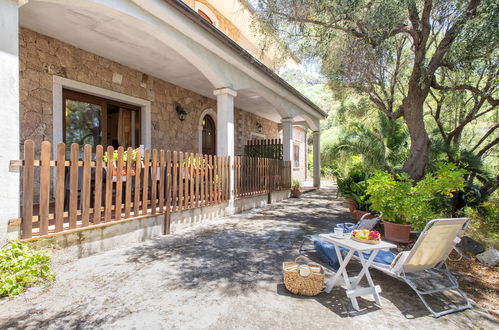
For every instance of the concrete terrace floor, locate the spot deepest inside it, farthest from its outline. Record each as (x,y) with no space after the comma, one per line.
(225,274)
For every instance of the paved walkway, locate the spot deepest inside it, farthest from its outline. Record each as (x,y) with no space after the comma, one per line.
(221,275)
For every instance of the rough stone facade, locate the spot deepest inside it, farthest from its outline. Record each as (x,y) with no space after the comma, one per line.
(247,123)
(41,57)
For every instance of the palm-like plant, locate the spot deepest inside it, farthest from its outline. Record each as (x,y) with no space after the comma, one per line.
(380,145)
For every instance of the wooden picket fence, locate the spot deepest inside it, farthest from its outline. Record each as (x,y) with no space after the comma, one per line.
(268,148)
(255,176)
(62,194)
(78,193)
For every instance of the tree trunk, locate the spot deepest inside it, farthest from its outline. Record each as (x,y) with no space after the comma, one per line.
(420,142)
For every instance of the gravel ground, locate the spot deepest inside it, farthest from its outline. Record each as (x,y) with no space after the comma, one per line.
(224,274)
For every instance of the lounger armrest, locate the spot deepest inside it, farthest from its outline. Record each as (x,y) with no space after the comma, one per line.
(398,263)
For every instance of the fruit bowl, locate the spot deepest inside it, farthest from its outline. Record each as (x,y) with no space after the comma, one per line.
(366,236)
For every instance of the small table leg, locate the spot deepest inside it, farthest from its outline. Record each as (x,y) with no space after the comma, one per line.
(341,272)
(372,288)
(353,289)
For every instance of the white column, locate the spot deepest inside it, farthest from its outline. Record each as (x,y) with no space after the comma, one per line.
(9,125)
(225,132)
(317,158)
(287,139)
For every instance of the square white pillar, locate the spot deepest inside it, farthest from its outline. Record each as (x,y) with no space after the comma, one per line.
(225,133)
(317,158)
(287,139)
(9,125)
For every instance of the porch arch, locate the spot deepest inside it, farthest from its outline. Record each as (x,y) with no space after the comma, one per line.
(205,62)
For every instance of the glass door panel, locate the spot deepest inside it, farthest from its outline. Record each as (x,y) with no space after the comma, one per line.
(83,124)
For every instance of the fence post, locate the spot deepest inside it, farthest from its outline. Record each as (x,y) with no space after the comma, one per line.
(168,191)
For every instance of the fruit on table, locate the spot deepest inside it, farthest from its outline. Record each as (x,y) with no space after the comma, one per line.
(374,235)
(366,234)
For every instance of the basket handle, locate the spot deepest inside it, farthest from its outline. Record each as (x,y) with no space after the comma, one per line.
(301,258)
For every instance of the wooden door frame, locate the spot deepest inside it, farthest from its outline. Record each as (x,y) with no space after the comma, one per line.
(214,136)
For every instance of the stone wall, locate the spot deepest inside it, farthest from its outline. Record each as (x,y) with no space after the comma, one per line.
(246,123)
(41,57)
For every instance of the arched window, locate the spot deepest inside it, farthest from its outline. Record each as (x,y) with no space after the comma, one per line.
(203,15)
(209,142)
(205,12)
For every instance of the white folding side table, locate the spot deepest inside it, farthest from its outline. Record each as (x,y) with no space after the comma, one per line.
(353,289)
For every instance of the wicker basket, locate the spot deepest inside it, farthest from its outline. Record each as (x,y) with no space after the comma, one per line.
(303,279)
(367,241)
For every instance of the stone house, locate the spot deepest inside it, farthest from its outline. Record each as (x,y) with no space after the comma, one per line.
(154,73)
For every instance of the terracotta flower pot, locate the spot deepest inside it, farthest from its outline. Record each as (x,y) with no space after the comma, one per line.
(397,232)
(295,192)
(352,206)
(357,214)
(123,171)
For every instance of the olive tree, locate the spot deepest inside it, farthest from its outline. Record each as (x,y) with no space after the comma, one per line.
(398,52)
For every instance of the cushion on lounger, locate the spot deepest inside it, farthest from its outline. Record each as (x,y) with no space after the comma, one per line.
(327,253)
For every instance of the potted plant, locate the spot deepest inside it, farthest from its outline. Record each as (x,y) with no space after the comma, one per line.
(406,205)
(354,188)
(358,194)
(295,189)
(125,158)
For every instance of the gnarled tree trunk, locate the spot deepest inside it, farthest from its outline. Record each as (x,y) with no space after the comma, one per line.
(420,142)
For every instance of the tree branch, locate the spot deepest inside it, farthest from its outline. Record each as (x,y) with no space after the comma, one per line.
(487,147)
(450,36)
(485,136)
(472,89)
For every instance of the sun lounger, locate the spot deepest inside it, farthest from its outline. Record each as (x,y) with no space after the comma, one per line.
(424,265)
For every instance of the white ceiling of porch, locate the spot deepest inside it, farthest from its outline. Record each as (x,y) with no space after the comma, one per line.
(116,38)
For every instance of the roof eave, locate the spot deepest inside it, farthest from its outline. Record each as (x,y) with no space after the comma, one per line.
(193,16)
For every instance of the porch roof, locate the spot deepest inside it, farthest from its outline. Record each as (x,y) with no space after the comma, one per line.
(168,40)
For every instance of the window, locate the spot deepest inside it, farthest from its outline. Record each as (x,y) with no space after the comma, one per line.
(206,12)
(93,120)
(296,155)
(205,16)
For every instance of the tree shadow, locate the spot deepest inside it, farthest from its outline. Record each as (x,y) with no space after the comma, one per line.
(81,316)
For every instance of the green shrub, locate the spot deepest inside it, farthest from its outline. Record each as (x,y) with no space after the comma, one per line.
(402,201)
(22,266)
(484,223)
(354,186)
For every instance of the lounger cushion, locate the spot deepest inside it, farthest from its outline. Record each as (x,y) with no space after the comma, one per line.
(328,253)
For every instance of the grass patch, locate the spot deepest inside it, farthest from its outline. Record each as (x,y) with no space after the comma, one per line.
(22,266)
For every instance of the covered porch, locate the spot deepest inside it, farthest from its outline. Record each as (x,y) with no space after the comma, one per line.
(159,58)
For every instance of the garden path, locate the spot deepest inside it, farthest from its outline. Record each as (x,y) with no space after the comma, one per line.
(224,274)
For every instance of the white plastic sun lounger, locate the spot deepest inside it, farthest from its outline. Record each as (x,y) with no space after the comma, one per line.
(425,262)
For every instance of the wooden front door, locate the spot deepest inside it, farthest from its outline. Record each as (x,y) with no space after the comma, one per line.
(209,136)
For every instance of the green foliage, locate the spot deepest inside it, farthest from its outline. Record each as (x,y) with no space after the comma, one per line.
(22,266)
(354,186)
(125,156)
(484,223)
(296,183)
(402,201)
(379,143)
